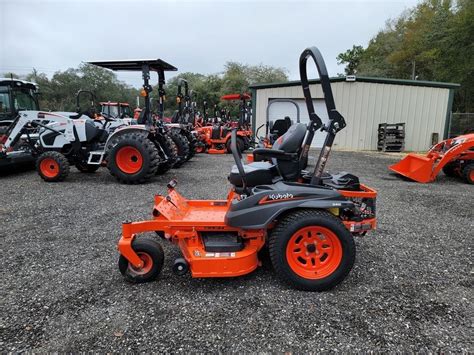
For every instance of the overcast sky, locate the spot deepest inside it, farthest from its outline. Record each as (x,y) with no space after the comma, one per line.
(196,36)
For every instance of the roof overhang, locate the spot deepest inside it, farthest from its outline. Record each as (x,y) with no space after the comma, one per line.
(363,79)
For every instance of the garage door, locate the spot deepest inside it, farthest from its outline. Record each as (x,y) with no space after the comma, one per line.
(279,110)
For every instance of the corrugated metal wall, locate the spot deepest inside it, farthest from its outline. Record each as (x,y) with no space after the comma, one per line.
(364,105)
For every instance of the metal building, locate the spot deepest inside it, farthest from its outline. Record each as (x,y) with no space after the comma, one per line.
(365,102)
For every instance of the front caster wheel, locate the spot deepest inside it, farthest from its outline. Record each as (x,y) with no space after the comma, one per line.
(151,253)
(312,250)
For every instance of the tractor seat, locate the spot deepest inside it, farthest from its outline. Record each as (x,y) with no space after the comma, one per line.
(256,173)
(216,132)
(280,127)
(92,131)
(264,172)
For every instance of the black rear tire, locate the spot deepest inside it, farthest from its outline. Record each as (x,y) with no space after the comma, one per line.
(170,156)
(280,244)
(468,173)
(83,167)
(52,166)
(182,145)
(153,256)
(192,140)
(146,150)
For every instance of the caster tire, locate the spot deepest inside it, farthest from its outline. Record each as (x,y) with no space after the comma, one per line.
(151,252)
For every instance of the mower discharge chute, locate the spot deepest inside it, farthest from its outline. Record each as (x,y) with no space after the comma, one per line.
(307,226)
(455,156)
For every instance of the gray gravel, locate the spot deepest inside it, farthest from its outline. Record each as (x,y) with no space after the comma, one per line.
(411,287)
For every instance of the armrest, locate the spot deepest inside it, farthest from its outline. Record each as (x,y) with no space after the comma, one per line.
(274,153)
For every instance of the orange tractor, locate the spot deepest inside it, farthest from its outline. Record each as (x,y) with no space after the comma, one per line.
(455,156)
(215,138)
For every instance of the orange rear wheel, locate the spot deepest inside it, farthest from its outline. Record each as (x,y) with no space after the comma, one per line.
(49,167)
(311,250)
(129,160)
(314,252)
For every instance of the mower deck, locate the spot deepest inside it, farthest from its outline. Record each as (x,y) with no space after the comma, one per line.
(181,220)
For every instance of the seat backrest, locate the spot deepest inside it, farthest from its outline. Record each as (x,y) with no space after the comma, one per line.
(216,132)
(280,127)
(290,142)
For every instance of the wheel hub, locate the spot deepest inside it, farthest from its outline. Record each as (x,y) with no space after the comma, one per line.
(314,252)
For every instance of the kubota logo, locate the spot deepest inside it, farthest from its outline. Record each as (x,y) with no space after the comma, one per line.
(280,196)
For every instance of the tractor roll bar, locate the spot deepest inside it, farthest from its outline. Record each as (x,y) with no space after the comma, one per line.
(78,97)
(281,100)
(336,121)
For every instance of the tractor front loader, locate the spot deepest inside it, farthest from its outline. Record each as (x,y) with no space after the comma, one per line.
(455,156)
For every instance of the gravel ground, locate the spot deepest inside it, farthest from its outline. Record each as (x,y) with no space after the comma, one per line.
(411,288)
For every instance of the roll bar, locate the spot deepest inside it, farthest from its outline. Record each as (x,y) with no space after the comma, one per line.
(281,100)
(336,121)
(78,97)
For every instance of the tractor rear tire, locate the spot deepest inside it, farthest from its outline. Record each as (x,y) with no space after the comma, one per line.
(192,145)
(312,250)
(240,145)
(132,158)
(151,253)
(83,167)
(182,145)
(468,173)
(450,169)
(52,166)
(171,151)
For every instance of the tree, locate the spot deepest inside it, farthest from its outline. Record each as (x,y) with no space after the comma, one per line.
(351,58)
(432,41)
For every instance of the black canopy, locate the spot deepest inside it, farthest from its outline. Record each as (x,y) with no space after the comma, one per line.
(135,64)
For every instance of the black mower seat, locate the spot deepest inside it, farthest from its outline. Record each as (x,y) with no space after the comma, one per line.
(264,172)
(256,173)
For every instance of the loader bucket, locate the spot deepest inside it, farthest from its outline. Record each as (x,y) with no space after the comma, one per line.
(414,167)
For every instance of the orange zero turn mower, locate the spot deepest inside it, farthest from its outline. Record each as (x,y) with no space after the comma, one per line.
(308,228)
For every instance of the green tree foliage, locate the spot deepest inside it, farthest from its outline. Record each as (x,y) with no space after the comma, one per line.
(351,58)
(236,78)
(433,41)
(58,93)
